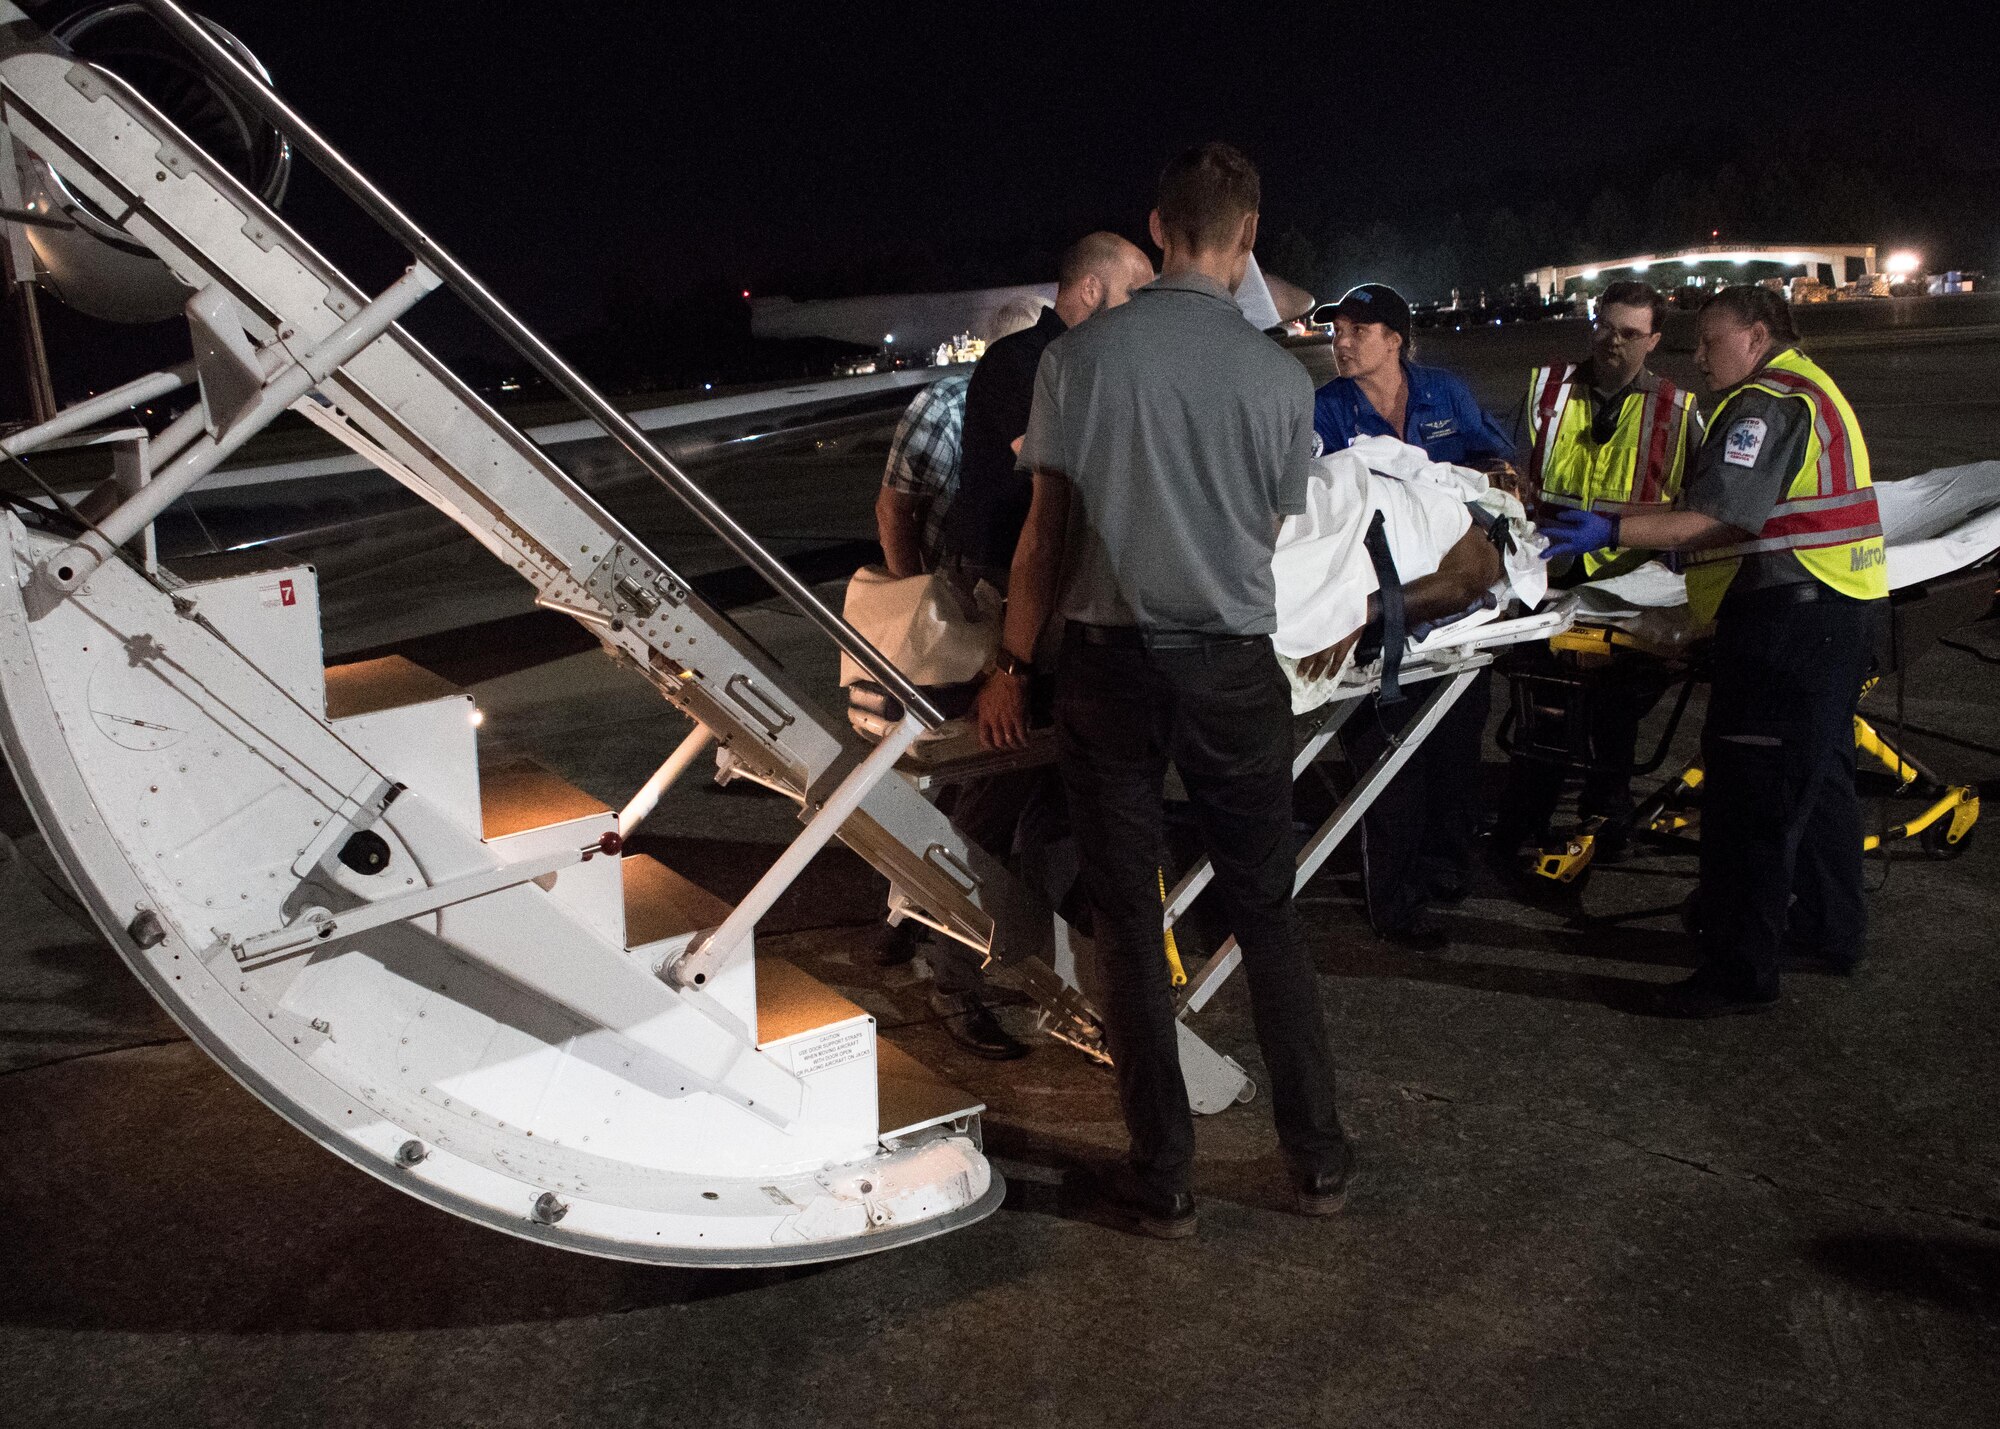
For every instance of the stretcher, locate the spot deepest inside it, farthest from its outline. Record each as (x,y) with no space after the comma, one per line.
(1942,531)
(1436,669)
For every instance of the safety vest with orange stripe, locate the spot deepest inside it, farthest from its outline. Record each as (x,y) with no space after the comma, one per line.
(1639,469)
(1827,517)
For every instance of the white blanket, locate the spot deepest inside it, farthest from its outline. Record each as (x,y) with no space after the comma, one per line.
(1940,522)
(1324,575)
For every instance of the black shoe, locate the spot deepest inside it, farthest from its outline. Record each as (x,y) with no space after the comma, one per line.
(1420,935)
(1610,847)
(1131,1205)
(898,945)
(977,1030)
(1508,863)
(1698,996)
(1323,1193)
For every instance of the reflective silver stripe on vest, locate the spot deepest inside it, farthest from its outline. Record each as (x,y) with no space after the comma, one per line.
(1795,384)
(1543,377)
(1844,536)
(1864,497)
(1803,505)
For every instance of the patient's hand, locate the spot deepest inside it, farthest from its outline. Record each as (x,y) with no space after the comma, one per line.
(1328,661)
(1508,478)
(1002,709)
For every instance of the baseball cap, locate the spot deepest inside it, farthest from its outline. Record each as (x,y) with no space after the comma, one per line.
(1376,303)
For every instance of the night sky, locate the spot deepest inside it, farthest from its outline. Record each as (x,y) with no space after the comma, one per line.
(611,167)
(579,152)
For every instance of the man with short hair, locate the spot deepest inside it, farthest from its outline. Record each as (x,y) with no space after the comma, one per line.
(1097,273)
(1168,441)
(989,504)
(1608,434)
(1604,435)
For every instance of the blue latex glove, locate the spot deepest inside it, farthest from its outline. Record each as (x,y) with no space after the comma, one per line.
(1572,533)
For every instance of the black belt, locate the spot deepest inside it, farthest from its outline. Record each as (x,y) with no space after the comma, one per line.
(1779,596)
(1139,637)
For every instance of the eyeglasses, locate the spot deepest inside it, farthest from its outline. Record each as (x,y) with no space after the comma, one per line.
(1623,334)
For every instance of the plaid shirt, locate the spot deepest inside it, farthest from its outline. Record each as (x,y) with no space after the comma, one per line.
(923,458)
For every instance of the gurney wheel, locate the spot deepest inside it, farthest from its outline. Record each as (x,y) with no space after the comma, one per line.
(1936,840)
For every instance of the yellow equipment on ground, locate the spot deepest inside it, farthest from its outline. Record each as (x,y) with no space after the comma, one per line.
(1942,827)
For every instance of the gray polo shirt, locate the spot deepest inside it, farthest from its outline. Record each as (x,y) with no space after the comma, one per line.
(1185,433)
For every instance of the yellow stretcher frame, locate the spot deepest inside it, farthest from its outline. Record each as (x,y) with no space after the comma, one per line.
(1943,828)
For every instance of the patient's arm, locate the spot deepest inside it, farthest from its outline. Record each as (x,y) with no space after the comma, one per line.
(1467,572)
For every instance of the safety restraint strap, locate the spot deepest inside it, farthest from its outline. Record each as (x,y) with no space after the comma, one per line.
(1498,532)
(1390,598)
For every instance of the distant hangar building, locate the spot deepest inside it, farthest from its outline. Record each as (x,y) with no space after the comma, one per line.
(1832,263)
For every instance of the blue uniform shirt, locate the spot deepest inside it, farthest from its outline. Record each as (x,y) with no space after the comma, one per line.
(1443,418)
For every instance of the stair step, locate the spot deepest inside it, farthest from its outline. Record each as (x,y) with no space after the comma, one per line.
(910,1096)
(517,797)
(791,1000)
(661,904)
(370,686)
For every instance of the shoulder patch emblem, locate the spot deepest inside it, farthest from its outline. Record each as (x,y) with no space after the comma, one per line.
(1744,441)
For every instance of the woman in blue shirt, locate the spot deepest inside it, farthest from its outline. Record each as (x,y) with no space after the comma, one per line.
(1417,838)
(1381,393)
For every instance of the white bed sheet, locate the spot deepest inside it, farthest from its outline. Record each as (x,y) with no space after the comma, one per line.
(1324,575)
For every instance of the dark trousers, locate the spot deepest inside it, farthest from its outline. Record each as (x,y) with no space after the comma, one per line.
(1221,713)
(1623,693)
(1418,837)
(1780,820)
(1018,818)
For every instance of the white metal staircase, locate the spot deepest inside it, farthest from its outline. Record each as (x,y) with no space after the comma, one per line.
(463,986)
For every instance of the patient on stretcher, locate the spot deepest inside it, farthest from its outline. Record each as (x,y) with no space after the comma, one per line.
(1438,526)
(1461,548)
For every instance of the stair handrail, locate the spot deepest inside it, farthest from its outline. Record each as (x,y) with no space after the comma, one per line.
(252,87)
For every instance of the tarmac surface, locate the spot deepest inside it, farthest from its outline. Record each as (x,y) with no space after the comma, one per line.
(1567,1213)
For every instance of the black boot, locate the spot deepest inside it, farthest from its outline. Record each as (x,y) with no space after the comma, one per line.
(973,1026)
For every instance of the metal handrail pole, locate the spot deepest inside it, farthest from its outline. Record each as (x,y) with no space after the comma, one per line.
(357,186)
(78,415)
(664,778)
(73,565)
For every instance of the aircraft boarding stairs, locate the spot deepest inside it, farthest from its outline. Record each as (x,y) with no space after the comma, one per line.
(462,984)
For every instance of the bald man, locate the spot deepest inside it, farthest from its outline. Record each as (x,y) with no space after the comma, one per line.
(982,527)
(1098,272)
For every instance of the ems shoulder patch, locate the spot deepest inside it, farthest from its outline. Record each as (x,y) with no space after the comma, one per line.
(1744,441)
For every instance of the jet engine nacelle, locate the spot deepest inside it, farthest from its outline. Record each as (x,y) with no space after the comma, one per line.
(81,256)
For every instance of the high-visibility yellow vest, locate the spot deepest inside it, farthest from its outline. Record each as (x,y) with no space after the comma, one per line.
(1639,469)
(1827,516)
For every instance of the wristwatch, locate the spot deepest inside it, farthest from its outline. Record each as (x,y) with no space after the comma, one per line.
(1008,663)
